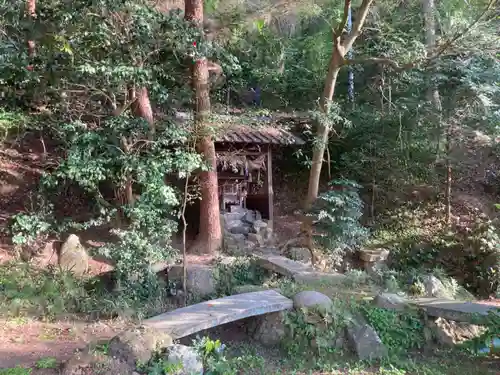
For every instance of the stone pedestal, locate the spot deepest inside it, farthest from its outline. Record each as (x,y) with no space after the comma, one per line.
(373,259)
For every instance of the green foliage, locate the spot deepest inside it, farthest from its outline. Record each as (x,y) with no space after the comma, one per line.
(27,228)
(10,121)
(338,213)
(26,290)
(489,339)
(399,331)
(18,370)
(217,363)
(316,330)
(46,363)
(241,271)
(160,366)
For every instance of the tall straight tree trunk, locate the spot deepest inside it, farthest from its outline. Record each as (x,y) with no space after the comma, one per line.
(210,235)
(337,60)
(429,13)
(31,10)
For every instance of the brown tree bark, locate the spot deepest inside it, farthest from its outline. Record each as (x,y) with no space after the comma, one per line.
(340,48)
(210,235)
(31,10)
(141,107)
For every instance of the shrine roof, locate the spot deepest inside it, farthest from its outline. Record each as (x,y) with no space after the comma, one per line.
(273,129)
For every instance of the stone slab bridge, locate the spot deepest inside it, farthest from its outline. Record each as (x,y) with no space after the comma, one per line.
(195,318)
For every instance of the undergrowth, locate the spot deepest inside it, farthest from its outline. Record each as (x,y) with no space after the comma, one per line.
(29,291)
(420,242)
(241,271)
(399,331)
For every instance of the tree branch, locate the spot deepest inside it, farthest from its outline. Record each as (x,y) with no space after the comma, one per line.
(459,35)
(426,60)
(358,24)
(383,61)
(340,28)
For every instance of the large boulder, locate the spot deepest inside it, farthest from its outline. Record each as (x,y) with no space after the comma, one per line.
(186,358)
(449,333)
(200,280)
(390,301)
(310,298)
(138,345)
(365,341)
(85,363)
(268,329)
(435,288)
(73,256)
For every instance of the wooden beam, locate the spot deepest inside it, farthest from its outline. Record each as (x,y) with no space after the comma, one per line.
(270,190)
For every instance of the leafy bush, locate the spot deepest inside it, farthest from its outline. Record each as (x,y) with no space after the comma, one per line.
(215,361)
(338,213)
(399,331)
(315,330)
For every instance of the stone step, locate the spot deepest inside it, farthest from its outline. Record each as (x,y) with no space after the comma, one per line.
(459,311)
(296,270)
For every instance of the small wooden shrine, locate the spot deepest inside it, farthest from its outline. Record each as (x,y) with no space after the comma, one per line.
(244,166)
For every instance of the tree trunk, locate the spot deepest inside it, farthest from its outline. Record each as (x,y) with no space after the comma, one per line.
(31,10)
(336,62)
(448,175)
(210,235)
(141,107)
(429,13)
(323,130)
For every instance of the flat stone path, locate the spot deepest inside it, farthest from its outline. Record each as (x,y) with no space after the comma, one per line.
(191,319)
(295,270)
(454,310)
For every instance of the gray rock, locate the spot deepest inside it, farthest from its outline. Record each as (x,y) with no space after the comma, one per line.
(300,254)
(364,341)
(268,235)
(268,329)
(234,216)
(138,345)
(232,224)
(250,245)
(250,217)
(73,256)
(187,358)
(200,279)
(241,229)
(309,298)
(256,238)
(434,287)
(258,215)
(390,301)
(259,226)
(449,332)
